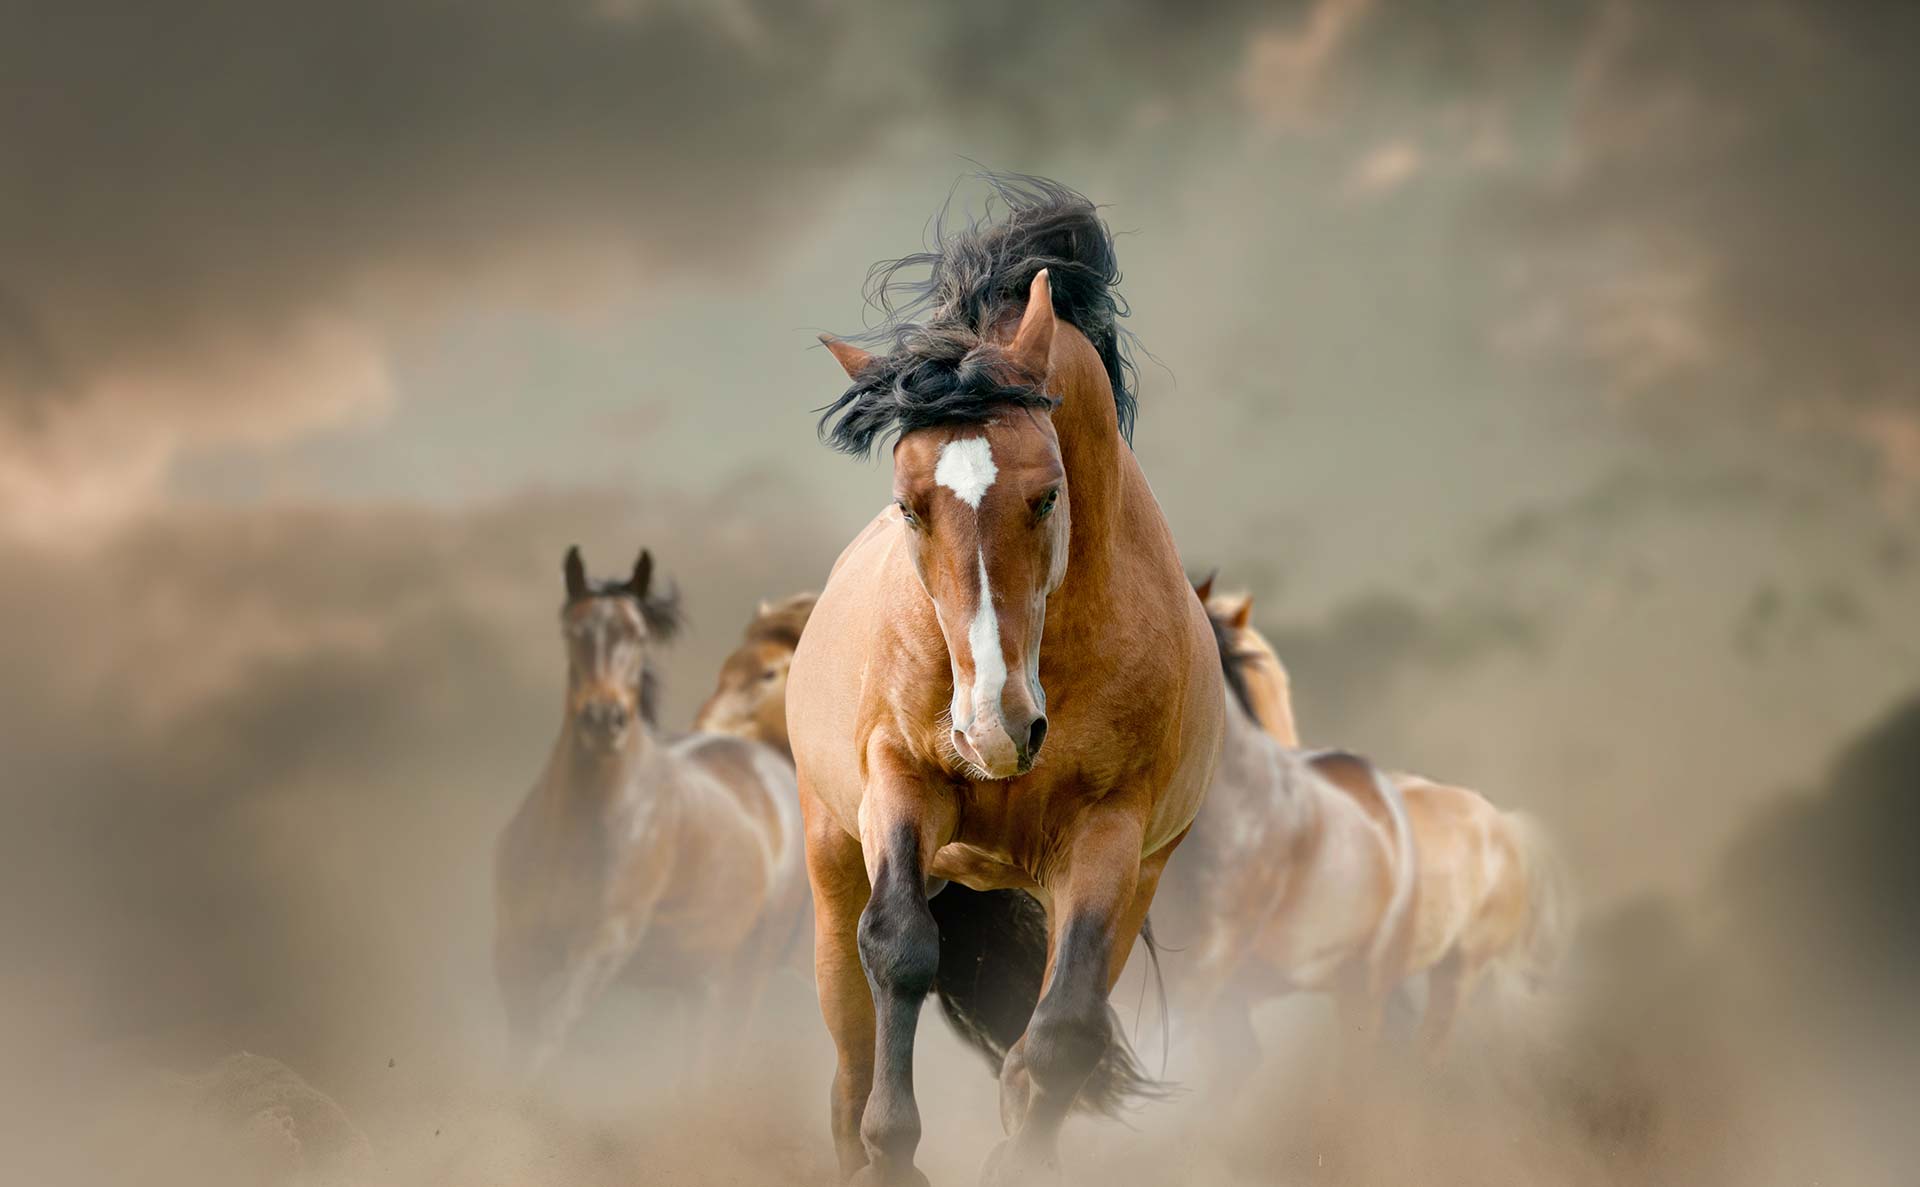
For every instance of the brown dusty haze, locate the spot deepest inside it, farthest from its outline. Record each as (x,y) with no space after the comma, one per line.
(1546,371)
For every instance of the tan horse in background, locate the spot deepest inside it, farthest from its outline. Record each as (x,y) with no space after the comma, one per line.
(1493,892)
(750,698)
(1006,706)
(1299,875)
(673,863)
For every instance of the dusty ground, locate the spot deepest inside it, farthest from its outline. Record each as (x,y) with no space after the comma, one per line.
(1655,1063)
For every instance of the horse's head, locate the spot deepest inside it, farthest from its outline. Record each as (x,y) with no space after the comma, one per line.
(1266,687)
(608,627)
(987,519)
(750,698)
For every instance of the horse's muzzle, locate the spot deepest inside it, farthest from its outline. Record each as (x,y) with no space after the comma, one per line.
(1002,749)
(604,723)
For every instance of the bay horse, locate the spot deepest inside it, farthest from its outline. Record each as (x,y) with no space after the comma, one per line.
(1300,874)
(1493,891)
(1006,706)
(675,862)
(750,696)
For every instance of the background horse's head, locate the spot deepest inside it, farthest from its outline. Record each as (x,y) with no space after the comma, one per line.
(608,627)
(750,698)
(1268,688)
(985,506)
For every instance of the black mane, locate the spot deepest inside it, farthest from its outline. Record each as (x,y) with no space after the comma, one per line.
(1234,661)
(937,366)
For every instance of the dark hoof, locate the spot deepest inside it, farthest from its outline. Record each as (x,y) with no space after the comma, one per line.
(873,1176)
(1005,1168)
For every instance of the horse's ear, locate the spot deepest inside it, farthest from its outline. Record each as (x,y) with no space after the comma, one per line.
(576,570)
(642,574)
(1204,590)
(1242,614)
(851,358)
(1033,341)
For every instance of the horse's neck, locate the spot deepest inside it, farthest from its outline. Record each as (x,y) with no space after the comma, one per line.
(1294,801)
(582,780)
(773,732)
(1260,790)
(1091,452)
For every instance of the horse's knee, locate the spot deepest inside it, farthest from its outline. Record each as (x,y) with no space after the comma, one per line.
(898,939)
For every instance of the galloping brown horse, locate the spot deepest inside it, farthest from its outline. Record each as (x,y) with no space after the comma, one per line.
(1493,892)
(672,862)
(1007,705)
(750,698)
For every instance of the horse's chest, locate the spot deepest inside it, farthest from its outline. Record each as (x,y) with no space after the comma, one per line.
(582,871)
(981,869)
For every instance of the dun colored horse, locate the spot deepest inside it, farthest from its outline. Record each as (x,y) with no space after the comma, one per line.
(1006,707)
(1492,890)
(750,699)
(1300,874)
(673,862)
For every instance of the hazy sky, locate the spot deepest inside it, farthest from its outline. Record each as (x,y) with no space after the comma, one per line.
(1547,372)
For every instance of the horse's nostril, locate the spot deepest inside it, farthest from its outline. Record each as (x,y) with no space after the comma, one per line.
(963,746)
(606,718)
(1036,734)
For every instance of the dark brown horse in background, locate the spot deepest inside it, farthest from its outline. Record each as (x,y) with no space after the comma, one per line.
(1007,704)
(673,862)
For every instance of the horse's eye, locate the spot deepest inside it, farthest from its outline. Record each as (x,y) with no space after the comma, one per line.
(1045,507)
(906,513)
(770,675)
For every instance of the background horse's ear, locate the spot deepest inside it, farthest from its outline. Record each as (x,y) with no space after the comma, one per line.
(1242,614)
(642,575)
(1033,341)
(1204,590)
(852,359)
(576,574)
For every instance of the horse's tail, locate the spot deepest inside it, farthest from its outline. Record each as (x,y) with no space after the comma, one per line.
(993,955)
(1551,909)
(1393,939)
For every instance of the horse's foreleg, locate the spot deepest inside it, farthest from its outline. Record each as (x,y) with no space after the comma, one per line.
(1100,894)
(1448,984)
(899,947)
(588,968)
(1232,1047)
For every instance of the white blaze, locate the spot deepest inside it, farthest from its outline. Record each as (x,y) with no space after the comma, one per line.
(983,637)
(966,468)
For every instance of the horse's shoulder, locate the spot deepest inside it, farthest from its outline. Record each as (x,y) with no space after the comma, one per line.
(750,775)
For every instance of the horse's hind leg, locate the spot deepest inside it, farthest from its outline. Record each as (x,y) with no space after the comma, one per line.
(1100,900)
